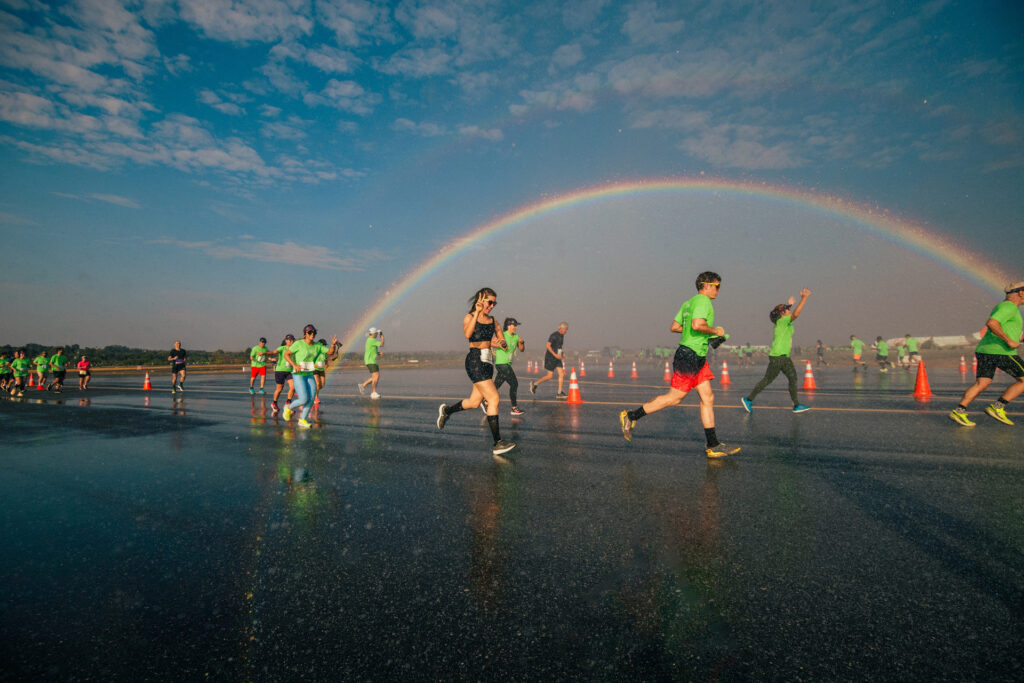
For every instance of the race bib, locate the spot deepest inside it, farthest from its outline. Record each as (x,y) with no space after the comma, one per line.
(486,356)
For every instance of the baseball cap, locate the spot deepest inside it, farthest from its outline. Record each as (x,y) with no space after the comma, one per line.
(373,330)
(511,321)
(263,340)
(1014,286)
(290,337)
(309,328)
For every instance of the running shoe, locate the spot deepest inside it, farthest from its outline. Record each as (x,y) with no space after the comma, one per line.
(304,423)
(627,425)
(721,450)
(262,391)
(501,447)
(960,417)
(561,394)
(998,412)
(174,388)
(251,390)
(287,413)
(316,401)
(375,396)
(748,405)
(442,417)
(181,388)
(516,412)
(800,408)
(362,389)
(533,388)
(274,409)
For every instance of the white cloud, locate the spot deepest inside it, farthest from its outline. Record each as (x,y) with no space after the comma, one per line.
(417,63)
(424,128)
(566,56)
(644,26)
(345,95)
(116,199)
(722,147)
(493,134)
(212,99)
(355,21)
(287,252)
(261,20)
(332,60)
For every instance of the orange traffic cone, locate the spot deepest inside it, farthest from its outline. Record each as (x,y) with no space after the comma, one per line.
(963,365)
(146,386)
(922,391)
(611,370)
(809,384)
(725,381)
(574,390)
(31,380)
(583,369)
(668,373)
(633,375)
(529,367)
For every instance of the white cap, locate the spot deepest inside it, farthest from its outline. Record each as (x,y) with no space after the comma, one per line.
(373,331)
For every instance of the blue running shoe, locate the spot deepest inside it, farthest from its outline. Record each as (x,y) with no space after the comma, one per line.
(748,405)
(800,408)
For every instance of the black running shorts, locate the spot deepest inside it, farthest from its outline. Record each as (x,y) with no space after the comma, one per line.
(988,362)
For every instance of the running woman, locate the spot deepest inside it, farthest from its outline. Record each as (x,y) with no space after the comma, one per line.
(59,368)
(857,346)
(503,362)
(178,357)
(282,373)
(554,355)
(324,355)
(21,369)
(998,349)
(820,348)
(42,362)
(782,316)
(301,356)
(479,328)
(690,370)
(258,365)
(882,354)
(84,373)
(6,372)
(913,348)
(371,351)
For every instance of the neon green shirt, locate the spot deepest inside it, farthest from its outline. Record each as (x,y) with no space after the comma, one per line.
(320,361)
(41,362)
(692,309)
(58,362)
(5,365)
(912,344)
(503,357)
(258,356)
(782,338)
(282,364)
(370,350)
(305,356)
(858,346)
(20,367)
(882,349)
(1009,318)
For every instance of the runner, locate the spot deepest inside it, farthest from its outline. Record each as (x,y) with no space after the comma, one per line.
(20,368)
(258,366)
(301,356)
(42,362)
(6,372)
(858,349)
(503,362)
(882,354)
(178,357)
(690,366)
(374,340)
(84,373)
(282,373)
(913,346)
(324,355)
(59,368)
(998,349)
(554,354)
(782,316)
(478,327)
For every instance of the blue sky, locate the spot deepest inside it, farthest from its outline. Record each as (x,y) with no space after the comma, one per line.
(215,171)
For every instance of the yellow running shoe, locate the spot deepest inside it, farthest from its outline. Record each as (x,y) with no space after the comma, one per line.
(287,413)
(627,425)
(304,424)
(960,417)
(721,450)
(998,412)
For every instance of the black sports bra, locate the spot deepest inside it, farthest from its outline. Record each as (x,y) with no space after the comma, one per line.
(483,332)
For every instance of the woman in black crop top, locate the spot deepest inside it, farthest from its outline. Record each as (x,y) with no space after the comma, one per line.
(480,330)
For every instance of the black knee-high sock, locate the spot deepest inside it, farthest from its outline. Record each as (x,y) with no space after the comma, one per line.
(454,408)
(712,438)
(635,415)
(492,422)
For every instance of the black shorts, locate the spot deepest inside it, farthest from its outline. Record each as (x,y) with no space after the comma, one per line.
(320,373)
(988,362)
(60,374)
(879,357)
(280,377)
(478,370)
(177,367)
(373,367)
(551,363)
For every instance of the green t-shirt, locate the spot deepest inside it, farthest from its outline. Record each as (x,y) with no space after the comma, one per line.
(282,364)
(5,365)
(902,351)
(41,363)
(20,367)
(58,361)
(1009,318)
(258,356)
(912,344)
(882,349)
(699,306)
(304,355)
(320,360)
(370,350)
(857,345)
(503,357)
(782,338)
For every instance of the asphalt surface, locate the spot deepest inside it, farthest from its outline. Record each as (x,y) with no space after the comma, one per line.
(149,537)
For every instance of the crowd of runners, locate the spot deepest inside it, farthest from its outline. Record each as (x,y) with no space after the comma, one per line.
(301,364)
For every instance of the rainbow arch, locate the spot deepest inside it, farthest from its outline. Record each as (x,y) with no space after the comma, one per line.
(876,220)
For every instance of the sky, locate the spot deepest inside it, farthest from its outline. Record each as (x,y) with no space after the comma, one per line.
(215,171)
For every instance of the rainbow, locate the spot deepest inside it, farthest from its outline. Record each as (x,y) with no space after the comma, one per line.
(876,220)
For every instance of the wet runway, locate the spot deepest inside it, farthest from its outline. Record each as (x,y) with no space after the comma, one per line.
(151,537)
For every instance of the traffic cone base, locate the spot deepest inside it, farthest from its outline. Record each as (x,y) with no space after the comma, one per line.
(922,390)
(574,390)
(146,386)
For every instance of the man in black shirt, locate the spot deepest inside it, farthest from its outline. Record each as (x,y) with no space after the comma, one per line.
(177,358)
(554,354)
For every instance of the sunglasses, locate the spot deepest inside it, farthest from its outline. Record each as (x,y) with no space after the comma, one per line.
(490,301)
